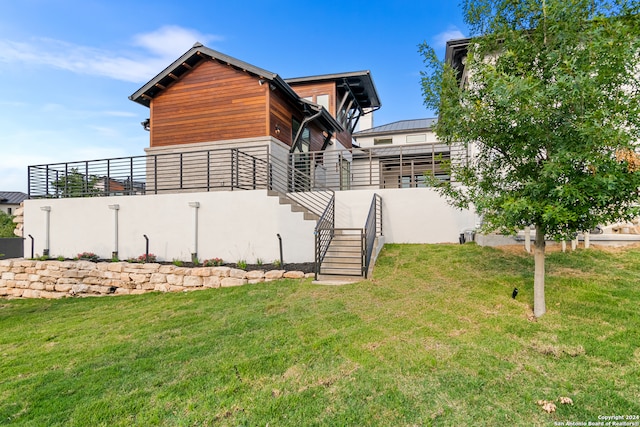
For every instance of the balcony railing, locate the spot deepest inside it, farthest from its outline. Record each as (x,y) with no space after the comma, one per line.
(393,166)
(207,170)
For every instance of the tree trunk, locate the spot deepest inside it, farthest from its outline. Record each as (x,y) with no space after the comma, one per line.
(539,307)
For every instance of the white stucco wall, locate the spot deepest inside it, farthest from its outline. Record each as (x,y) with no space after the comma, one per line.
(409,215)
(233,225)
(399,138)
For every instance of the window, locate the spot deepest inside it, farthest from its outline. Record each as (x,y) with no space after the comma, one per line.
(323,100)
(382,141)
(416,138)
(9,211)
(300,177)
(305,137)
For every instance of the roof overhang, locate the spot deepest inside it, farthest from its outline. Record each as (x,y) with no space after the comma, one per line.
(360,83)
(188,61)
(199,53)
(455,54)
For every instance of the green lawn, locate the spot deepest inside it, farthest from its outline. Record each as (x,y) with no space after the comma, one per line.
(433,339)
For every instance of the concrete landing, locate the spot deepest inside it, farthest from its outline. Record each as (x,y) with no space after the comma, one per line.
(337,281)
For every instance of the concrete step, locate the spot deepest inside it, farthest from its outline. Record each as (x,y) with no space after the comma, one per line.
(342,264)
(295,206)
(336,280)
(345,241)
(345,245)
(354,272)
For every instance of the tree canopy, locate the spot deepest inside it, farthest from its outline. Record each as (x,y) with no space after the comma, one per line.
(549,105)
(75,184)
(6,225)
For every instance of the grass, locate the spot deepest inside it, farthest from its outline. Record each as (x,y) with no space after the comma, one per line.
(433,339)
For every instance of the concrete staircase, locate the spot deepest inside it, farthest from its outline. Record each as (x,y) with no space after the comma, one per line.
(344,258)
(295,206)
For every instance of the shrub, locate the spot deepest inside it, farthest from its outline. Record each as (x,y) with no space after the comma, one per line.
(6,225)
(241,264)
(213,262)
(88,256)
(143,258)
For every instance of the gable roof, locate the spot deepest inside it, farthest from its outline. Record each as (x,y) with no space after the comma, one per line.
(199,53)
(359,83)
(401,126)
(12,197)
(190,59)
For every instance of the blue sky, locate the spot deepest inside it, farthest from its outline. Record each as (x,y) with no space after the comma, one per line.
(67,67)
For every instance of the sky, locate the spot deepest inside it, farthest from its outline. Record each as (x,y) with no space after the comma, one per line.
(67,67)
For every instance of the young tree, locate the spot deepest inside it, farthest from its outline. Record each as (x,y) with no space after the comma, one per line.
(551,110)
(75,184)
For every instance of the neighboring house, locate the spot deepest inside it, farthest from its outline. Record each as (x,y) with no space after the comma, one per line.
(406,151)
(10,201)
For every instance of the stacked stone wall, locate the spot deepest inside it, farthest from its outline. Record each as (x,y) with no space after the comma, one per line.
(20,278)
(18,219)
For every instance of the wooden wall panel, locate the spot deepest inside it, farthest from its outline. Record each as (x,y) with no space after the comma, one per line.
(281,114)
(212,102)
(306,90)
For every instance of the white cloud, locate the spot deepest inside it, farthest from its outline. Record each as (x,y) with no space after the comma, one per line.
(171,41)
(440,40)
(120,114)
(160,47)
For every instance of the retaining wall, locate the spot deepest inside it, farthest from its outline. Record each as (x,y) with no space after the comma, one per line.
(20,278)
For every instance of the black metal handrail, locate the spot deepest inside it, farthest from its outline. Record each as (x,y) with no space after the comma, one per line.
(372,229)
(324,233)
(298,186)
(392,166)
(203,170)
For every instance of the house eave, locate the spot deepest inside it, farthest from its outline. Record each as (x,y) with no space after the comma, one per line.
(190,59)
(358,81)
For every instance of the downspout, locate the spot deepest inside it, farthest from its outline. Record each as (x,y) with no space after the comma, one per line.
(47,210)
(326,142)
(302,126)
(194,254)
(115,208)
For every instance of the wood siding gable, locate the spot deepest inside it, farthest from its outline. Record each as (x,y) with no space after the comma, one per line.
(212,102)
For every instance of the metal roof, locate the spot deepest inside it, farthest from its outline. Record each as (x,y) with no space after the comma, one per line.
(402,126)
(12,197)
(359,82)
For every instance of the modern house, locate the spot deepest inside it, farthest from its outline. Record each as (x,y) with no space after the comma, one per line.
(206,100)
(237,156)
(406,152)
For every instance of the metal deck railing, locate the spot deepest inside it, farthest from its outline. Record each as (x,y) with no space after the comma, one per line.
(206,170)
(393,166)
